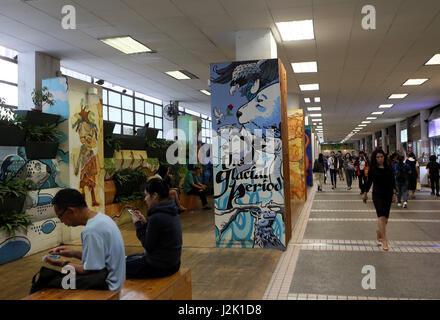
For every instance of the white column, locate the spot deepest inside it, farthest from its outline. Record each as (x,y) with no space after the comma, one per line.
(384,140)
(33,67)
(398,143)
(424,115)
(255,45)
(292,101)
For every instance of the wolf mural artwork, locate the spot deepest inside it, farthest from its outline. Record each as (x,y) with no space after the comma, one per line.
(248,170)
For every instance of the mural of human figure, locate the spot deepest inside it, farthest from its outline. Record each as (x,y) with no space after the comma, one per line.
(87,162)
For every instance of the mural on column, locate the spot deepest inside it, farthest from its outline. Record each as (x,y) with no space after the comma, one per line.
(297,154)
(308,145)
(248,187)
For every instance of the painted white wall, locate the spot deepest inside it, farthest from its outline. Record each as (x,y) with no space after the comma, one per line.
(255,44)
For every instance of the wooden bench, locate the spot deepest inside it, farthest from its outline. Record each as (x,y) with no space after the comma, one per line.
(60,294)
(190,201)
(174,287)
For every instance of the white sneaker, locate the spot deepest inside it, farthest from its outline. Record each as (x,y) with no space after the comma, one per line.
(399,204)
(405,205)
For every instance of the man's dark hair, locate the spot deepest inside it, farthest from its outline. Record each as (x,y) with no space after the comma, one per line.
(159,186)
(69,198)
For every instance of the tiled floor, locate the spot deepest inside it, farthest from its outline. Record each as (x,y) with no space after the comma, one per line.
(335,238)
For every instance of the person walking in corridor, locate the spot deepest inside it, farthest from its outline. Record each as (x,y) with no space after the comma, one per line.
(415,174)
(381,176)
(402,172)
(326,169)
(348,169)
(433,174)
(333,166)
(360,167)
(319,171)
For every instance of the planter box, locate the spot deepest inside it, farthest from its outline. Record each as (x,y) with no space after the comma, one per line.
(108,151)
(41,150)
(131,142)
(118,211)
(37,118)
(12,136)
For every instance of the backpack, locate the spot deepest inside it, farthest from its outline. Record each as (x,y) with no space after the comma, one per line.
(401,174)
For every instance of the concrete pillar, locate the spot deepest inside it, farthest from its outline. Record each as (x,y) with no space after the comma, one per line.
(424,115)
(33,67)
(255,45)
(398,143)
(292,101)
(384,140)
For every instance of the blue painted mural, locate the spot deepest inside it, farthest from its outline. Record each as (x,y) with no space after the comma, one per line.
(248,177)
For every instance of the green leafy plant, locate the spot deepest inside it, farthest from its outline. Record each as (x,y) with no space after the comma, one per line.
(113,142)
(42,96)
(128,182)
(15,188)
(44,133)
(109,168)
(9,118)
(13,221)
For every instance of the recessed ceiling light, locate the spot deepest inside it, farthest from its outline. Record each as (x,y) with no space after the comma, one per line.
(305,67)
(307,100)
(398,96)
(366,121)
(181,75)
(385,106)
(126,44)
(362,125)
(371,118)
(320,123)
(414,82)
(314,115)
(378,112)
(434,60)
(296,30)
(309,87)
(205,92)
(316,120)
(317,99)
(358,128)
(314,109)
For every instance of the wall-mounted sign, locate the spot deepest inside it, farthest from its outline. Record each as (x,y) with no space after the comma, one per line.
(404,136)
(434,128)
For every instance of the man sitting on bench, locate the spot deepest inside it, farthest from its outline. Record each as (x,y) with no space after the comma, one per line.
(103,251)
(193,186)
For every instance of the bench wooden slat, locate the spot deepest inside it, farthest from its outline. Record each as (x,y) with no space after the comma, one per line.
(175,287)
(60,294)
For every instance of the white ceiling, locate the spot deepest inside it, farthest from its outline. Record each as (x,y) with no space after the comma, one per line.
(358,69)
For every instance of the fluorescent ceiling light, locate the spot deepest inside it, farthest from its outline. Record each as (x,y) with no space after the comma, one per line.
(314,109)
(205,92)
(378,112)
(317,99)
(366,121)
(434,60)
(309,87)
(320,123)
(126,44)
(398,96)
(362,125)
(385,106)
(371,118)
(316,120)
(359,128)
(414,82)
(307,100)
(177,75)
(314,115)
(305,67)
(296,30)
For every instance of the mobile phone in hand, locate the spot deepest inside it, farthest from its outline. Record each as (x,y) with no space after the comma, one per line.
(51,256)
(131,212)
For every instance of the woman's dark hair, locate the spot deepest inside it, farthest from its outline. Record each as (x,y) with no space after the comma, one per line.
(69,198)
(401,158)
(433,158)
(321,158)
(157,186)
(163,170)
(374,161)
(395,154)
(349,156)
(411,155)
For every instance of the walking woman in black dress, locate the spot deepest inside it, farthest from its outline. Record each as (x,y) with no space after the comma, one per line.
(381,176)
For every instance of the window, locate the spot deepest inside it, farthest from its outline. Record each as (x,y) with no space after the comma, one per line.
(206,129)
(9,76)
(130,112)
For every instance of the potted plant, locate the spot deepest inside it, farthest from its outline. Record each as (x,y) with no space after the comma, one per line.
(111,144)
(41,141)
(13,193)
(11,130)
(12,221)
(128,182)
(36,116)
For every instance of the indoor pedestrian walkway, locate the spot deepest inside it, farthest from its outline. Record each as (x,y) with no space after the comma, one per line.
(335,238)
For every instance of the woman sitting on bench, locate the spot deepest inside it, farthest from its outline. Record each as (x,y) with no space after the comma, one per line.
(164,173)
(160,235)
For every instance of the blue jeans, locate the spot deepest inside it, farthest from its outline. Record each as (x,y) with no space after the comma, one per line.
(402,189)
